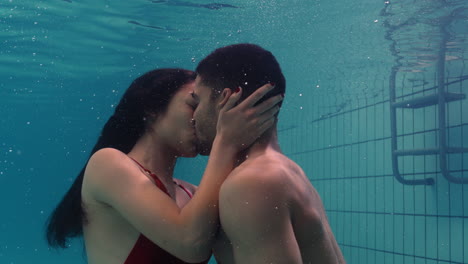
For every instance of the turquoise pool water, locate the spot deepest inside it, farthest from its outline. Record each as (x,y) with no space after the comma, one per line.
(64,65)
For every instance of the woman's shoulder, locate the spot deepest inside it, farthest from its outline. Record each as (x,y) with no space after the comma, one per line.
(107,153)
(107,162)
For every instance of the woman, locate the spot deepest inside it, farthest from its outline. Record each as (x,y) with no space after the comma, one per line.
(126,202)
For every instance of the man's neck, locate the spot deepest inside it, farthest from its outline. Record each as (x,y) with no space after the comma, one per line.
(268,142)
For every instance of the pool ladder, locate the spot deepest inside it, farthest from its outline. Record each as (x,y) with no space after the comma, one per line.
(440,98)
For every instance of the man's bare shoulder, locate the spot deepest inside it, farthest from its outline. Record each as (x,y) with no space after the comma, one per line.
(264,174)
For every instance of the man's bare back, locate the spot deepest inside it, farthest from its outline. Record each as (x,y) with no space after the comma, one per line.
(271,213)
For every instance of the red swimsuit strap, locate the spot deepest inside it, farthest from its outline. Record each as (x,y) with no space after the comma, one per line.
(154,176)
(158,181)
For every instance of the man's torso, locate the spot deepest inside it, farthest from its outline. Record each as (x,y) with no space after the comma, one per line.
(314,237)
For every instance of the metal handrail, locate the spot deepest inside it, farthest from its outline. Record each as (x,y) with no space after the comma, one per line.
(395,154)
(442,103)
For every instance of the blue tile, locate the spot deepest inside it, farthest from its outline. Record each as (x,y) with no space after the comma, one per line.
(408,192)
(371,123)
(340,130)
(371,159)
(340,195)
(379,121)
(346,253)
(398,197)
(348,161)
(420,236)
(347,128)
(362,193)
(363,125)
(454,117)
(419,261)
(363,229)
(387,150)
(430,118)
(456,197)
(419,119)
(407,260)
(389,182)
(431,237)
(431,141)
(465,240)
(371,257)
(389,233)
(355,195)
(371,230)
(419,165)
(456,240)
(420,199)
(431,198)
(399,240)
(379,257)
(340,162)
(454,137)
(348,227)
(465,134)
(390,259)
(337,228)
(355,161)
(362,255)
(371,194)
(454,162)
(354,127)
(400,113)
(333,194)
(464,106)
(386,118)
(379,235)
(363,159)
(347,195)
(406,165)
(326,137)
(443,201)
(409,235)
(379,157)
(465,197)
(444,238)
(356,228)
(380,194)
(408,119)
(354,256)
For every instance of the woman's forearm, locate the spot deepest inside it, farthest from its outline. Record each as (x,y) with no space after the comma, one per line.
(201,215)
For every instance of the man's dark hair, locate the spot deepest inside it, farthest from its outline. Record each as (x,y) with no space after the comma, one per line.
(147,98)
(246,65)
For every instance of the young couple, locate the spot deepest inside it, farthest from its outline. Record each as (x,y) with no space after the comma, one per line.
(253,204)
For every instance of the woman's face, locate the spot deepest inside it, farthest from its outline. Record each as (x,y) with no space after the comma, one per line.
(175,127)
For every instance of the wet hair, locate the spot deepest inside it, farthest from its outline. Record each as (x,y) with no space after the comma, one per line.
(147,97)
(246,65)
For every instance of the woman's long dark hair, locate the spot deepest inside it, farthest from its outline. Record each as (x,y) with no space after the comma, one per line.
(147,97)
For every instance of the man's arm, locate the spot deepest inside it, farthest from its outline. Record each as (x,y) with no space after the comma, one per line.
(255,215)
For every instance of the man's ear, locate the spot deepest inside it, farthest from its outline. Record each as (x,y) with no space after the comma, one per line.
(224,97)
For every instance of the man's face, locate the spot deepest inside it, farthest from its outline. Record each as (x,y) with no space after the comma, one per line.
(205,116)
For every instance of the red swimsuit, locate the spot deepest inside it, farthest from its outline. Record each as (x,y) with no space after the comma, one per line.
(145,251)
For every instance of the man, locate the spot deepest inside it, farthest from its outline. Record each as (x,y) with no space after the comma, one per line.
(269,211)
